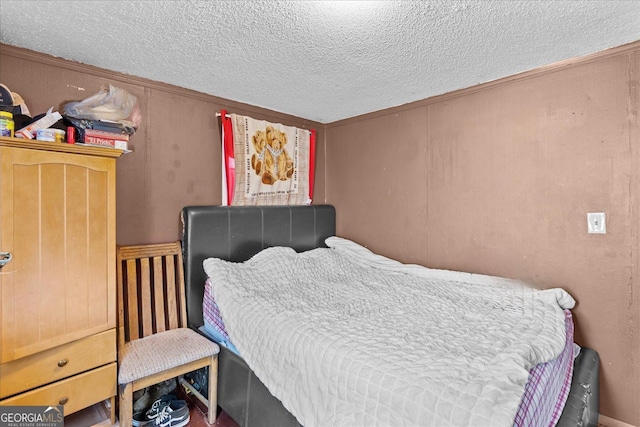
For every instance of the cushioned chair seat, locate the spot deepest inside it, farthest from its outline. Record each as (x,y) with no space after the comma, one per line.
(161,351)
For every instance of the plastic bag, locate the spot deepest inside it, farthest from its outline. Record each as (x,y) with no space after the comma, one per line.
(111,103)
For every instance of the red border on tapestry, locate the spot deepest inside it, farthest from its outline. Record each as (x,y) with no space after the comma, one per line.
(229,157)
(312,162)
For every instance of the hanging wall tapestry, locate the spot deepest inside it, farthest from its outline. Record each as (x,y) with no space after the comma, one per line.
(266,163)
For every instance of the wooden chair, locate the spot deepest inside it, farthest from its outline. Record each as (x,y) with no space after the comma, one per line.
(154,342)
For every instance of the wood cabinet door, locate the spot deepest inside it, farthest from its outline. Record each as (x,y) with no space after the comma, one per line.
(58,222)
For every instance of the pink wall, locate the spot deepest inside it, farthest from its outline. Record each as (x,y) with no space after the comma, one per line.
(498,180)
(176,154)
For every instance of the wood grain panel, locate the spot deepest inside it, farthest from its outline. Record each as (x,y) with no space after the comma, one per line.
(161,320)
(61,285)
(53,249)
(77,225)
(98,245)
(26,254)
(145,297)
(79,391)
(58,363)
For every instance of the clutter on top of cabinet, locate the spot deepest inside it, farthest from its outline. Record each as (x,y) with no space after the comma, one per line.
(49,119)
(110,103)
(24,126)
(7,125)
(12,109)
(12,102)
(106,119)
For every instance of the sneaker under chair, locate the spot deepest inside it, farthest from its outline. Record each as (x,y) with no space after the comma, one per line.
(154,342)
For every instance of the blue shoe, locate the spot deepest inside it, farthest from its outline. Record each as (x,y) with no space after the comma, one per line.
(175,414)
(156,407)
(140,419)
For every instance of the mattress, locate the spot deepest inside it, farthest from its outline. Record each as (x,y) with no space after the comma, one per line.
(545,391)
(214,325)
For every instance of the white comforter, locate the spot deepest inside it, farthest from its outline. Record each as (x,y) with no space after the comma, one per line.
(344,337)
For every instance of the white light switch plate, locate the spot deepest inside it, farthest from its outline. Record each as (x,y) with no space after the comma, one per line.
(596,223)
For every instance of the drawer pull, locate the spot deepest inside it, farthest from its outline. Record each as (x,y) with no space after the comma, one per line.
(63,400)
(62,363)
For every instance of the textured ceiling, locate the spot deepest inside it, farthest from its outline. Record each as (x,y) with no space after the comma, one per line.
(320,60)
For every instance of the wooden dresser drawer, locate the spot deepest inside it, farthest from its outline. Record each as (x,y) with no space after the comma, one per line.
(57,363)
(73,393)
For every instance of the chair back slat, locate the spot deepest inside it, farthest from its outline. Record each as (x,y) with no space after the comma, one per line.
(132,300)
(150,290)
(145,307)
(159,296)
(180,290)
(171,296)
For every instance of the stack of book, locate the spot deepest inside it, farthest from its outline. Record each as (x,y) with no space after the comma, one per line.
(104,134)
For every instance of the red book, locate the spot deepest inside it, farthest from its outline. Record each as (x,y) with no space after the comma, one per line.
(105,142)
(104,134)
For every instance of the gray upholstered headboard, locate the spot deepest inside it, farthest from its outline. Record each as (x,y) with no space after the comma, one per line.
(236,233)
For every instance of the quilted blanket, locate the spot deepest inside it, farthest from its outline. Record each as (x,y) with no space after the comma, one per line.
(345,340)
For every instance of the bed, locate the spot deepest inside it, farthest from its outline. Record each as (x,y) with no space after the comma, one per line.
(237,234)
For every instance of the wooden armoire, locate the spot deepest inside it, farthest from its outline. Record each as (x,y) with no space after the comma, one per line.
(57,290)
